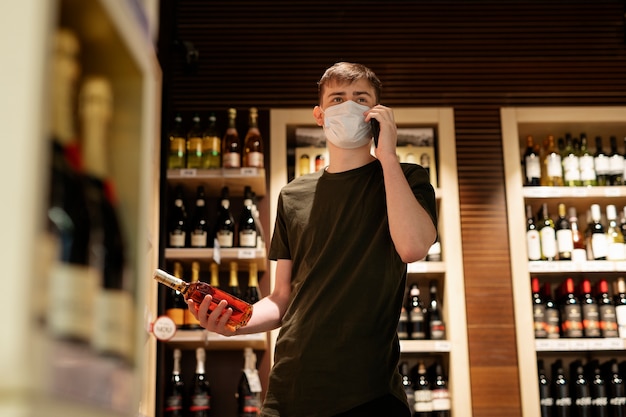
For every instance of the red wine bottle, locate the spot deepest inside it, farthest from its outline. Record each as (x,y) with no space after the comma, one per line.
(590,310)
(606,308)
(200,228)
(546,401)
(249,387)
(571,311)
(177,230)
(539,310)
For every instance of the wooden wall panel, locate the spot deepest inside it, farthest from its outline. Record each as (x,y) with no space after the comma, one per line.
(475,56)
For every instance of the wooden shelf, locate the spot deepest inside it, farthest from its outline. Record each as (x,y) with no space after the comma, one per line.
(207,255)
(579,345)
(191,339)
(425,346)
(214,180)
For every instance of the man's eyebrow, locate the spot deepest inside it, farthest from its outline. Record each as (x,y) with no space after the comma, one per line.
(361,93)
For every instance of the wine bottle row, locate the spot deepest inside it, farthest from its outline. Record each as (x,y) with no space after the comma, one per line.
(420,321)
(582,310)
(569,162)
(195,230)
(200,147)
(175,303)
(190,396)
(563,237)
(582,389)
(426,389)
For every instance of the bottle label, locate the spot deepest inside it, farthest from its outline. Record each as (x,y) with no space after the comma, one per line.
(564,241)
(615,251)
(247,238)
(571,170)
(403,331)
(437,330)
(199,239)
(225,238)
(423,400)
(602,164)
(177,239)
(441,400)
(254,159)
(548,242)
(200,402)
(113,319)
(173,403)
(553,165)
(552,323)
(587,168)
(539,318)
(617,401)
(533,167)
(418,327)
(231,160)
(591,320)
(608,321)
(599,245)
(620,315)
(533,245)
(616,164)
(572,321)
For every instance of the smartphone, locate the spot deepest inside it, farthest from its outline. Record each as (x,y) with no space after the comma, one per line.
(375,130)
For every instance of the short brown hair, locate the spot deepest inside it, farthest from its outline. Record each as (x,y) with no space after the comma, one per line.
(348,72)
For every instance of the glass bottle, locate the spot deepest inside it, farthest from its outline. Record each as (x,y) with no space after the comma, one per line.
(579,253)
(553,315)
(253,143)
(586,164)
(200,398)
(533,239)
(599,394)
(601,163)
(211,145)
(561,392)
(616,164)
(440,392)
(174,399)
(614,237)
(407,383)
(564,236)
(233,283)
(403,321)
(616,391)
(571,312)
(532,163)
(590,310)
(197,291)
(247,224)
(175,305)
(571,164)
(215,275)
(194,144)
(546,401)
(304,164)
(178,222)
(553,164)
(177,155)
(606,308)
(249,388)
(620,305)
(231,146)
(437,328)
(225,223)
(547,234)
(422,393)
(200,225)
(539,310)
(581,392)
(252,291)
(417,314)
(599,242)
(191,322)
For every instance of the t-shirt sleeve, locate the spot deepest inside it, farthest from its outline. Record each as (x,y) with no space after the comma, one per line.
(279,246)
(419,181)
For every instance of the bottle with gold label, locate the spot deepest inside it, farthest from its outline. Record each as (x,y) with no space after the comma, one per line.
(191,322)
(253,143)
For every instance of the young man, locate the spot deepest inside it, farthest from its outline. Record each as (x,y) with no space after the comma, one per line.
(342,238)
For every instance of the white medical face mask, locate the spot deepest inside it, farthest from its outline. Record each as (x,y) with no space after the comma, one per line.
(345,126)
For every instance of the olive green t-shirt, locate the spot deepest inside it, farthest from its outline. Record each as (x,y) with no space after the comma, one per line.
(337,347)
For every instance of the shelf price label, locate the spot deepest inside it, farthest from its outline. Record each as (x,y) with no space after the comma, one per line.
(188,172)
(249,172)
(246,253)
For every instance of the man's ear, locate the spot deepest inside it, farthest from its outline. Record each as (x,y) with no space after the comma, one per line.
(318,115)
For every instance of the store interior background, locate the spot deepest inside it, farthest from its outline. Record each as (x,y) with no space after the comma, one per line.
(473,56)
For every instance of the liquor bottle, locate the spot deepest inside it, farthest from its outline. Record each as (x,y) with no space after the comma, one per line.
(441,395)
(253,143)
(422,393)
(252,291)
(553,165)
(564,237)
(417,314)
(539,310)
(616,164)
(304,164)
(581,392)
(197,291)
(579,253)
(260,238)
(215,275)
(546,401)
(200,224)
(553,315)
(571,311)
(175,305)
(225,223)
(200,396)
(175,395)
(590,310)
(606,309)
(616,391)
(407,383)
(191,322)
(571,164)
(622,226)
(586,164)
(231,147)
(249,388)
(247,224)
(602,164)
(533,239)
(560,391)
(177,155)
(403,330)
(620,306)
(547,234)
(233,283)
(599,243)
(194,144)
(599,391)
(614,236)
(178,221)
(437,328)
(320,162)
(211,145)
(532,163)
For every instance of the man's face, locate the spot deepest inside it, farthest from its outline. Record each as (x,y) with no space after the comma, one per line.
(359,91)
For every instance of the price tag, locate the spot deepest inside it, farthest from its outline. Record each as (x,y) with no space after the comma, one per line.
(442,346)
(253,380)
(246,253)
(612,192)
(188,172)
(163,328)
(249,172)
(417,267)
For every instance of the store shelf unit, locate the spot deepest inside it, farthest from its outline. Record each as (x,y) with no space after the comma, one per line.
(517,124)
(42,375)
(449,273)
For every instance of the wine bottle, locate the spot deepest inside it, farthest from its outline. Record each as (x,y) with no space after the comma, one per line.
(614,236)
(190,321)
(407,383)
(403,330)
(560,391)
(194,144)
(440,392)
(211,145)
(571,164)
(249,387)
(581,392)
(546,401)
(252,290)
(539,310)
(533,239)
(553,164)
(215,275)
(178,221)
(197,291)
(579,253)
(571,312)
(437,328)
(416,314)
(175,395)
(320,162)
(233,283)
(564,237)
(599,243)
(260,238)
(553,315)
(616,164)
(422,393)
(175,305)
(620,306)
(616,392)
(200,224)
(225,224)
(602,164)
(247,224)
(606,309)
(622,227)
(231,148)
(177,155)
(532,163)
(547,234)
(586,163)
(200,397)
(253,143)
(599,392)
(591,311)
(304,164)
